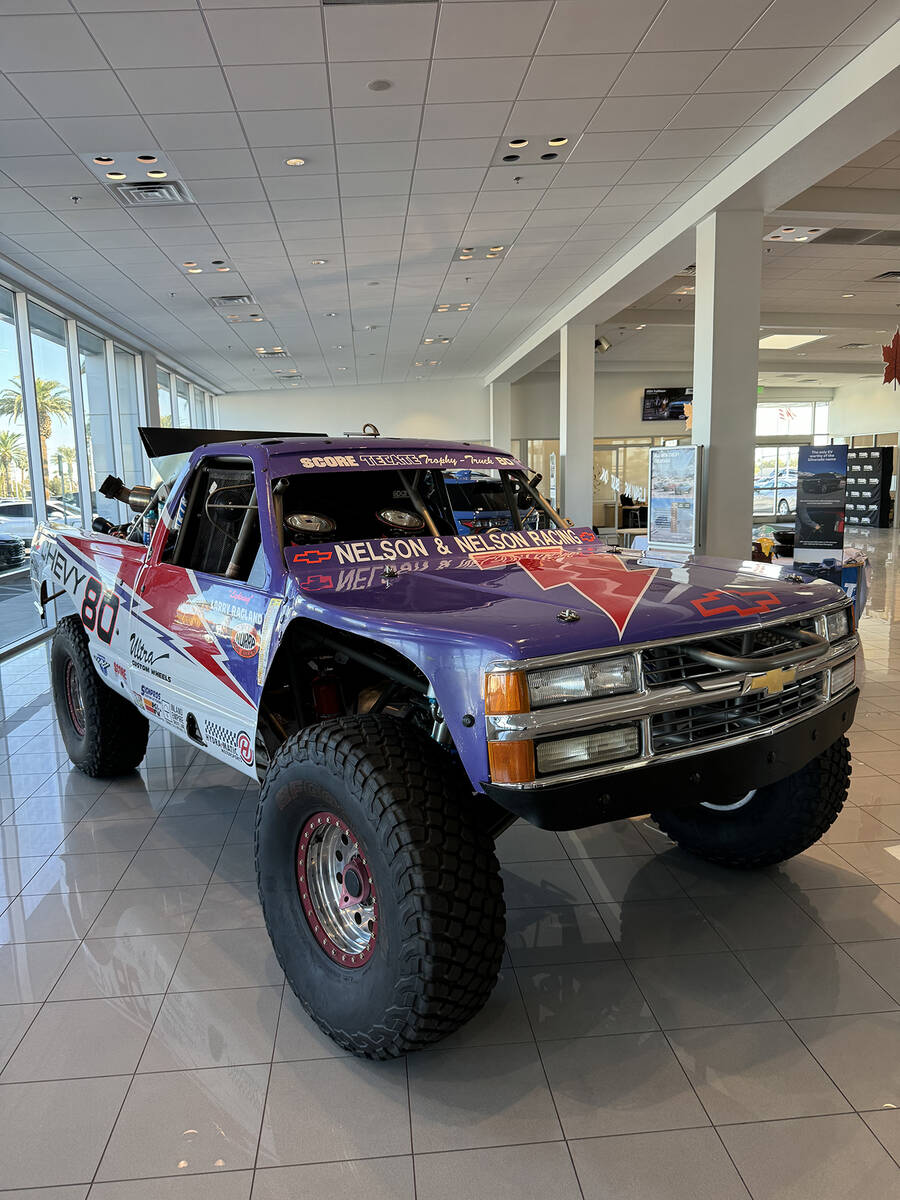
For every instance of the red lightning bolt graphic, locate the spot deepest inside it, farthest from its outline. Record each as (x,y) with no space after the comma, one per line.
(603,579)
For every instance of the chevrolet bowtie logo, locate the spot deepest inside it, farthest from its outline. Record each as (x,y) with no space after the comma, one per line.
(771,682)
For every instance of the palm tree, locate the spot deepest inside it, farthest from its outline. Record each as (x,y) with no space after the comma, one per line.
(10,448)
(53,400)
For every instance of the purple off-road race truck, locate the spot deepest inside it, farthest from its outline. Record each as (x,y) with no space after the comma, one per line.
(306,610)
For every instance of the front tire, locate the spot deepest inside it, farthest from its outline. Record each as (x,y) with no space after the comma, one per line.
(104,733)
(773,823)
(380,889)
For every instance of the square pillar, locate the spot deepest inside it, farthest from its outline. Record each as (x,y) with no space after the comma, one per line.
(576,422)
(726,375)
(500,404)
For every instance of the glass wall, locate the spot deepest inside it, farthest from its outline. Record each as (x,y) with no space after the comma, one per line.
(69,418)
(98,420)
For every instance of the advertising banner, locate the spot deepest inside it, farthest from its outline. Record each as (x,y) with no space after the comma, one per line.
(674,488)
(869,486)
(821,496)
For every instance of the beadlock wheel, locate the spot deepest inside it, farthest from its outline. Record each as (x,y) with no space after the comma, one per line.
(74,698)
(337,890)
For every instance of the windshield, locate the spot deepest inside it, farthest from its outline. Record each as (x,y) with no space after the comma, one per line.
(376,504)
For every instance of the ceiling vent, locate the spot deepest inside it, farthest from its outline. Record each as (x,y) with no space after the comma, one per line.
(886,277)
(271,354)
(231,301)
(151,195)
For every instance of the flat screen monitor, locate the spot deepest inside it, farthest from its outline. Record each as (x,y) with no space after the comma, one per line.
(665,404)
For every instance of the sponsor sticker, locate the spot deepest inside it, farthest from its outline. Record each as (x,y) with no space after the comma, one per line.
(245,640)
(102,664)
(120,671)
(245,747)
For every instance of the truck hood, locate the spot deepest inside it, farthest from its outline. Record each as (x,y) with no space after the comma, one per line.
(527,594)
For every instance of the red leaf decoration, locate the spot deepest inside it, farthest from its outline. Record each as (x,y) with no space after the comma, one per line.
(891,356)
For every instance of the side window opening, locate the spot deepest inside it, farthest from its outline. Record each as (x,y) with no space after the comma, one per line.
(219,533)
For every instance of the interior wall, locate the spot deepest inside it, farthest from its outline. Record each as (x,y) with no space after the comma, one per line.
(865,407)
(617,404)
(456,410)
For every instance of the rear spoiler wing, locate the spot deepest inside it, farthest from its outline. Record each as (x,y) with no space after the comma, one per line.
(160,442)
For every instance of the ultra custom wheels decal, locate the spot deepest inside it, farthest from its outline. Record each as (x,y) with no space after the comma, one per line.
(337,890)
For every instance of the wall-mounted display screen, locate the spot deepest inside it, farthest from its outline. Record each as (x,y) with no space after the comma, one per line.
(666,404)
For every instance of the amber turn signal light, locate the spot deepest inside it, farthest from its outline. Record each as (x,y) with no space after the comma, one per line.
(505,692)
(511,762)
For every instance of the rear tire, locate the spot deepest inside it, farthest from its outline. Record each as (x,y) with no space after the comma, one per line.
(376,806)
(104,733)
(775,823)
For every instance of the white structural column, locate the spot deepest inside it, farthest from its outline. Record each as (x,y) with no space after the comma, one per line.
(501,415)
(576,422)
(726,369)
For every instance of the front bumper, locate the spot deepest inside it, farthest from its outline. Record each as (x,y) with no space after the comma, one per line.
(728,772)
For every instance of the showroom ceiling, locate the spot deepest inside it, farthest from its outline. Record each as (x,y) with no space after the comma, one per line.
(402,115)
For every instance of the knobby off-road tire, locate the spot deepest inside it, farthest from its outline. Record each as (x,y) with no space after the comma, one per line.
(776,823)
(104,733)
(378,784)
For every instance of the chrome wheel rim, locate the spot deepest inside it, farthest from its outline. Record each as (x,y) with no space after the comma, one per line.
(336,890)
(74,698)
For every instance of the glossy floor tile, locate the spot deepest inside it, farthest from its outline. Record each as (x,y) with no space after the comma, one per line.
(662,1028)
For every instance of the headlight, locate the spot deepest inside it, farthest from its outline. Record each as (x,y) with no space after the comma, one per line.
(837,624)
(582,681)
(607,745)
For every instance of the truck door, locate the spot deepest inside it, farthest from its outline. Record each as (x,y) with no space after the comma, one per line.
(202,609)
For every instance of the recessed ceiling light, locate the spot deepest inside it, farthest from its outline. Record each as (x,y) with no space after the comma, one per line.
(342,368)
(223,268)
(260,349)
(433,363)
(255,317)
(318,262)
(115,174)
(427,341)
(294,162)
(195,270)
(464,257)
(489,255)
(379,85)
(495,249)
(788,228)
(804,238)
(337,347)
(232,317)
(329,314)
(445,341)
(517,143)
(640,326)
(549,157)
(277,349)
(146,158)
(419,364)
(557,141)
(189,264)
(847,295)
(511,157)
(787,341)
(157,174)
(103,160)
(443,308)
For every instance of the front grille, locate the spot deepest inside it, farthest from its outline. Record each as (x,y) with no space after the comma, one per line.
(671,664)
(725,718)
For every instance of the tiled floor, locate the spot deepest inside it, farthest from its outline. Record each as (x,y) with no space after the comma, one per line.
(662,1029)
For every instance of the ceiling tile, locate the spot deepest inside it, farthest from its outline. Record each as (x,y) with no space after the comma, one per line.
(751,70)
(877,18)
(558,76)
(778,107)
(177,89)
(635,112)
(14,199)
(58,197)
(270,160)
(436,223)
(216,191)
(350,83)
(16,223)
(791,23)
(302,127)
(377,124)
(279,87)
(92,219)
(214,164)
(639,193)
(237,213)
(712,109)
(376,156)
(599,174)
(444,181)
(382,32)
(504,178)
(699,25)
(370,206)
(551,117)
(197,131)
(100,135)
(741,140)
(282,35)
(463,120)
(455,79)
(610,147)
(450,202)
(456,152)
(597,26)
(29,136)
(298,187)
(47,169)
(150,39)
(687,143)
(661,170)
(483,30)
(376,183)
(668,73)
(46,43)
(72,93)
(823,66)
